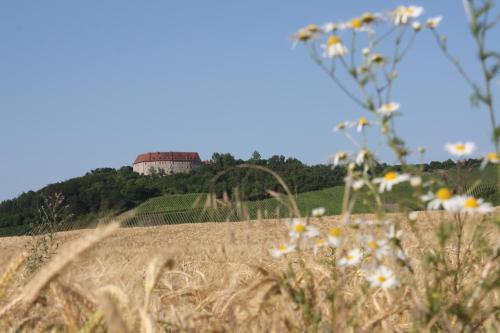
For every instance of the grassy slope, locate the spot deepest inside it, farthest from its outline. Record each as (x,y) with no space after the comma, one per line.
(180,207)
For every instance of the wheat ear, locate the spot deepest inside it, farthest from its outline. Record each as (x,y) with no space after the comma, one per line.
(54,267)
(10,272)
(153,273)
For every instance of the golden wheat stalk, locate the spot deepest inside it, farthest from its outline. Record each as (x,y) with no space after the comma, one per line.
(112,314)
(119,297)
(21,323)
(63,259)
(146,323)
(92,322)
(65,306)
(54,267)
(7,277)
(153,273)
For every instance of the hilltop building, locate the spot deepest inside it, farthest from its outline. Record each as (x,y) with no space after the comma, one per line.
(169,162)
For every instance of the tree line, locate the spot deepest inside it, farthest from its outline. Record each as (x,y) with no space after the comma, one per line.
(107,191)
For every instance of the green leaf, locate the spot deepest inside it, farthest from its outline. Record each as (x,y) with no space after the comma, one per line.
(496,134)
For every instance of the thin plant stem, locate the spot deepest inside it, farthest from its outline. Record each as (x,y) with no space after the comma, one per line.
(351,95)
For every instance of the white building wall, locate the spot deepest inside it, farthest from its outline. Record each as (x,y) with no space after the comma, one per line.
(169,167)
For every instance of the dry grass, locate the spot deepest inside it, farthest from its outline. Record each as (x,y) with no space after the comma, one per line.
(199,277)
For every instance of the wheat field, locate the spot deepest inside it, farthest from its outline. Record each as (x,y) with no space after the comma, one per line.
(213,277)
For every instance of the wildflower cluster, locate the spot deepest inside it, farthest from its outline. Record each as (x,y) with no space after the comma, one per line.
(362,55)
(373,69)
(372,257)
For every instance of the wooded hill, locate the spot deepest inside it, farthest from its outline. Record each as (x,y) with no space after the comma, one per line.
(108,191)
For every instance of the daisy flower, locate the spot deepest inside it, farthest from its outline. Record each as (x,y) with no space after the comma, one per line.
(379,248)
(318,212)
(378,59)
(382,277)
(433,22)
(353,257)
(299,228)
(335,237)
(318,244)
(492,158)
(355,24)
(393,233)
(362,156)
(413,216)
(390,179)
(361,123)
(369,17)
(334,47)
(402,15)
(311,32)
(388,109)
(442,198)
(417,26)
(341,126)
(360,23)
(331,26)
(460,148)
(283,249)
(415,181)
(358,184)
(472,205)
(340,158)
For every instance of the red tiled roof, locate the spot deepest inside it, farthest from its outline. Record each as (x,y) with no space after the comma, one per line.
(167,156)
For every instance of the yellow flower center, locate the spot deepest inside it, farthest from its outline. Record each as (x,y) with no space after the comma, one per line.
(460,147)
(381,278)
(378,58)
(443,194)
(391,175)
(349,257)
(373,245)
(368,18)
(333,40)
(335,232)
(407,11)
(471,203)
(356,23)
(282,248)
(320,242)
(299,228)
(402,152)
(492,157)
(363,121)
(312,28)
(304,35)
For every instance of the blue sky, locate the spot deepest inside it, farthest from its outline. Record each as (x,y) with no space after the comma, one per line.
(92,84)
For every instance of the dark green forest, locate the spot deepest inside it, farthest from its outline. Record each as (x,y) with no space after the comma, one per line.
(108,191)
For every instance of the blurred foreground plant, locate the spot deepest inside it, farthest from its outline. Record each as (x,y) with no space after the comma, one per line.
(455,286)
(53,213)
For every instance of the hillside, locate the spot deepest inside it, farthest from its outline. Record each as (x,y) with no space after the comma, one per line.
(104,193)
